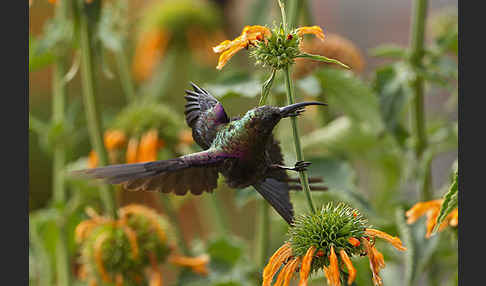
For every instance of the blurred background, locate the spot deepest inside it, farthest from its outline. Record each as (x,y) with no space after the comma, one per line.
(146,52)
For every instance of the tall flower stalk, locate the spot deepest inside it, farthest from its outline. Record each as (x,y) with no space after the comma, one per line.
(90,108)
(59,157)
(304,180)
(418,110)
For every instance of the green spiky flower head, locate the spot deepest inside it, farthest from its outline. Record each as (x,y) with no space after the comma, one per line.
(334,225)
(277,51)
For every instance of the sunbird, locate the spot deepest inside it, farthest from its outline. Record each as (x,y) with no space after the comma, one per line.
(242,149)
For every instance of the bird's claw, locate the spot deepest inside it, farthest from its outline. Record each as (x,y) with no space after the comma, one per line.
(301,166)
(296,113)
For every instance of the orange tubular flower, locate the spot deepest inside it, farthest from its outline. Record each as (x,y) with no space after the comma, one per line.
(247,37)
(393,240)
(149,145)
(332,271)
(150,48)
(431,209)
(315,30)
(280,256)
(351,270)
(197,264)
(132,149)
(306,266)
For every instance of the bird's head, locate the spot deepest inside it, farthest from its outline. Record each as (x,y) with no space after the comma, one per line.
(264,118)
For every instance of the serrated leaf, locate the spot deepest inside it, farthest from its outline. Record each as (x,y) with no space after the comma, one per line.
(449,203)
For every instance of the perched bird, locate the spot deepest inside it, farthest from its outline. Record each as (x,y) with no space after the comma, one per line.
(242,149)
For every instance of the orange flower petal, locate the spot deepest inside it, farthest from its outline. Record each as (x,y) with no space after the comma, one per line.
(419,209)
(454,217)
(114,139)
(197,264)
(156,275)
(306,266)
(118,280)
(290,272)
(132,239)
(274,263)
(377,261)
(98,255)
(132,150)
(349,266)
(92,159)
(227,55)
(332,271)
(286,273)
(148,147)
(316,30)
(150,48)
(393,240)
(230,48)
(146,212)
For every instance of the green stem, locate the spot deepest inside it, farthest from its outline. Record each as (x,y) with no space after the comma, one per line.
(263,233)
(125,77)
(91,111)
(59,158)
(418,110)
(304,179)
(171,213)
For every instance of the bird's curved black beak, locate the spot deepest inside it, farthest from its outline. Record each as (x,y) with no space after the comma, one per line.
(297,108)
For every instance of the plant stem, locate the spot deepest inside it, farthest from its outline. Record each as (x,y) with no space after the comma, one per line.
(304,179)
(263,233)
(91,111)
(418,111)
(59,158)
(125,78)
(171,213)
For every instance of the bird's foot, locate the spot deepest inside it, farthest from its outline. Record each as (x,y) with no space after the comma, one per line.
(296,112)
(301,166)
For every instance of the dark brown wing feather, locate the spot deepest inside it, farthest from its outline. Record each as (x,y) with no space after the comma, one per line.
(195,180)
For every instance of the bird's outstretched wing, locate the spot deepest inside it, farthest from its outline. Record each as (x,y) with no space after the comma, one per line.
(277,194)
(196,173)
(204,114)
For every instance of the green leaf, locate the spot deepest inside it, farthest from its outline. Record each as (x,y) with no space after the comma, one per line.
(450,202)
(389,51)
(322,59)
(348,94)
(392,87)
(38,59)
(225,250)
(56,37)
